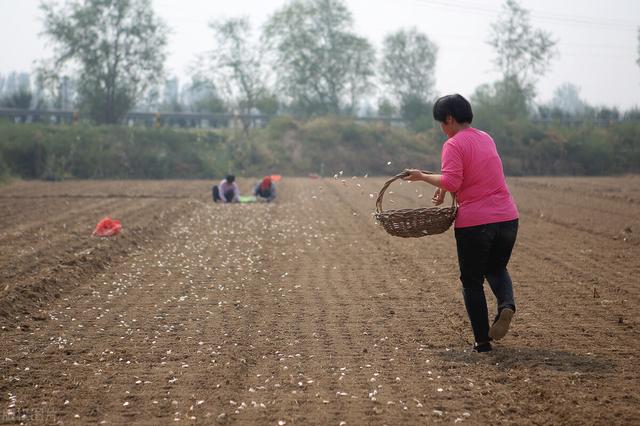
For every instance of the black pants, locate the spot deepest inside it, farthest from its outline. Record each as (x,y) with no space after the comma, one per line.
(484,252)
(215,192)
(264,193)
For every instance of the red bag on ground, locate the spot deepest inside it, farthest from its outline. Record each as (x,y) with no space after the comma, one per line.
(107,227)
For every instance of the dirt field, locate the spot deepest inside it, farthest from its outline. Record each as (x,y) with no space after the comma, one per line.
(305,312)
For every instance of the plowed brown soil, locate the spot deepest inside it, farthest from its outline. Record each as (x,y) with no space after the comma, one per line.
(305,312)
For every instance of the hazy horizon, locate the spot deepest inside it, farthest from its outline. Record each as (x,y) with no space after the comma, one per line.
(597,41)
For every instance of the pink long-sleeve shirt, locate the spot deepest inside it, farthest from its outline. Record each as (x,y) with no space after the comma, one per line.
(473,170)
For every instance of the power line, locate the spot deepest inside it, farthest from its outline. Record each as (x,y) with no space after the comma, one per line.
(538,16)
(585,19)
(572,53)
(561,42)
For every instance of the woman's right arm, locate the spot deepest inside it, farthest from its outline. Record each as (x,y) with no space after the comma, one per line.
(416,175)
(452,168)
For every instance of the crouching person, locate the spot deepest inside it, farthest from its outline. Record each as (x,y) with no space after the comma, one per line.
(265,189)
(227,191)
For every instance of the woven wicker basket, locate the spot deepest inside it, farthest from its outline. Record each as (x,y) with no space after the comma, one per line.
(413,223)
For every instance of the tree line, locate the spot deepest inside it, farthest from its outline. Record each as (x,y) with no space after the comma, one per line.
(321,145)
(307,60)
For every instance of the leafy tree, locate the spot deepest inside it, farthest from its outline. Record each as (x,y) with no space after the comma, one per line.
(117,48)
(386,108)
(499,101)
(523,52)
(268,104)
(4,168)
(234,66)
(632,114)
(210,104)
(551,112)
(607,114)
(323,67)
(171,99)
(15,82)
(66,93)
(418,112)
(151,99)
(201,96)
(408,65)
(567,98)
(21,99)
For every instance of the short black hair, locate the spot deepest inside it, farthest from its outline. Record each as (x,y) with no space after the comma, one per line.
(231,178)
(455,106)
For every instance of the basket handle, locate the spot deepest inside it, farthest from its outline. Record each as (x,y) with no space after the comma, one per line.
(396,177)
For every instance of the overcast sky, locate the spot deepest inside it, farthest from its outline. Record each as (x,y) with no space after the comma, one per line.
(597,50)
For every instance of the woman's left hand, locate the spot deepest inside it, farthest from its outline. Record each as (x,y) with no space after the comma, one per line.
(438,196)
(412,175)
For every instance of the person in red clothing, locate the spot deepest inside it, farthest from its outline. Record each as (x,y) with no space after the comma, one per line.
(486,224)
(265,189)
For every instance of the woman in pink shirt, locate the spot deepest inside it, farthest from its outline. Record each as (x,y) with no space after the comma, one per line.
(486,224)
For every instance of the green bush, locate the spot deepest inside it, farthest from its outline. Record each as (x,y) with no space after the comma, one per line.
(57,152)
(4,169)
(323,145)
(278,126)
